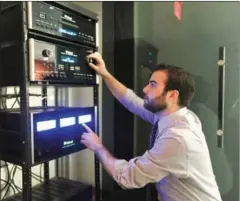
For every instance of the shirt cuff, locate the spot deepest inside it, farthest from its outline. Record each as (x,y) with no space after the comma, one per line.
(120,167)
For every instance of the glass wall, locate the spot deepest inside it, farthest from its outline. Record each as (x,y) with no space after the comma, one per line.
(192,43)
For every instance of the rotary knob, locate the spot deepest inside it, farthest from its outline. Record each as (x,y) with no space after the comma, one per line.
(47,53)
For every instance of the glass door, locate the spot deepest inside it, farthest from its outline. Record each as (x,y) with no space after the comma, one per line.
(193,43)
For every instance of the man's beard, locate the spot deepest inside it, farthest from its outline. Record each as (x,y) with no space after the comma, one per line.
(156,105)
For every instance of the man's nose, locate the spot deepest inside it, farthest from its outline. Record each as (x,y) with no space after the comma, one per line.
(145,90)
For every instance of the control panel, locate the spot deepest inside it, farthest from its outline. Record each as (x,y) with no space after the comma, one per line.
(60,64)
(63,126)
(48,19)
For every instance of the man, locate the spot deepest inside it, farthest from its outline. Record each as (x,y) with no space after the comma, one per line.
(178,160)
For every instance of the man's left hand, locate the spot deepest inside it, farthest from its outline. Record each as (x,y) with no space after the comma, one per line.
(90,139)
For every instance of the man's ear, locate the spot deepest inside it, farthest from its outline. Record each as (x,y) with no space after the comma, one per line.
(173,94)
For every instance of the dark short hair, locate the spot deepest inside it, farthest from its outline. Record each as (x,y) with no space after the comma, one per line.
(180,80)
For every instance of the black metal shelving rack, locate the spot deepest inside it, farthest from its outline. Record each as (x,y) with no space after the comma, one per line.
(41,191)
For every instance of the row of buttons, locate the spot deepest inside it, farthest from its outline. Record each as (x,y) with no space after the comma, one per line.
(53,75)
(61,67)
(83,76)
(61,75)
(83,35)
(44,26)
(88,42)
(75,68)
(52,29)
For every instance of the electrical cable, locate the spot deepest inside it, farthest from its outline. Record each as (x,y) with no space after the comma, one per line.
(13,181)
(16,99)
(7,182)
(35,176)
(5,101)
(15,91)
(10,182)
(41,172)
(10,185)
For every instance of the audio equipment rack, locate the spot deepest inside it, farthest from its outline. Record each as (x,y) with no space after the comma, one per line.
(17,30)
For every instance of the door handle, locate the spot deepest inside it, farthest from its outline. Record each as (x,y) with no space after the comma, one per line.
(221,96)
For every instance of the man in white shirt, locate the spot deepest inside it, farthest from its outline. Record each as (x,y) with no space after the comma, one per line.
(178,159)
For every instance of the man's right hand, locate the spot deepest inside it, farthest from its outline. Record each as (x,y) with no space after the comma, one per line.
(117,88)
(99,65)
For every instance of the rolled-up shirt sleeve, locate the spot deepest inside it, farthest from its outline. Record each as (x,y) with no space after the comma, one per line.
(135,105)
(168,156)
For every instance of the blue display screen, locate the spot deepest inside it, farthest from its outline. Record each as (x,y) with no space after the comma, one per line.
(59,123)
(68,59)
(68,32)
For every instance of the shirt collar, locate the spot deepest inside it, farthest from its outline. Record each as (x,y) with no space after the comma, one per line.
(168,120)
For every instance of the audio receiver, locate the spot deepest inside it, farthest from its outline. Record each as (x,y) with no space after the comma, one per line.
(46,18)
(55,132)
(57,60)
(59,64)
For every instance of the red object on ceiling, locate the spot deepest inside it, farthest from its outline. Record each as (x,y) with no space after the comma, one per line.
(178,9)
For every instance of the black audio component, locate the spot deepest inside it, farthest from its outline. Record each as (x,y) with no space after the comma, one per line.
(59,64)
(26,28)
(54,132)
(49,19)
(45,43)
(58,189)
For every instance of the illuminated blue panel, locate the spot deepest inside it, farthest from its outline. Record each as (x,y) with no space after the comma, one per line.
(71,33)
(68,59)
(69,121)
(84,119)
(46,125)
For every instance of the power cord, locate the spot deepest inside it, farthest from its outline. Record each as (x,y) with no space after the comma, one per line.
(41,166)
(35,176)
(10,182)
(7,182)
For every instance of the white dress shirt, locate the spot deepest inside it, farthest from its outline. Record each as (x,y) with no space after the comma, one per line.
(179,162)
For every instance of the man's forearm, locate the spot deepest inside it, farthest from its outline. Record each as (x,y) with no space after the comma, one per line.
(106,159)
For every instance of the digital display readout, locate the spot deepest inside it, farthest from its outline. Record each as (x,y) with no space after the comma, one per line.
(68,32)
(69,59)
(46,125)
(68,121)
